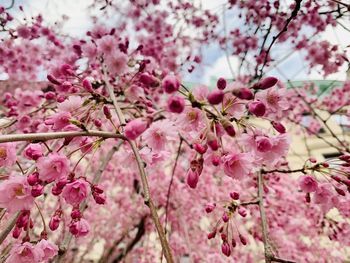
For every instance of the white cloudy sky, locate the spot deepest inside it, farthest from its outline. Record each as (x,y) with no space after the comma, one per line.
(215,60)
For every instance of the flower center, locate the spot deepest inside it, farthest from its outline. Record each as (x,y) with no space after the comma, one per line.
(3,153)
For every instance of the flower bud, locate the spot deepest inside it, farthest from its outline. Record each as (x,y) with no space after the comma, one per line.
(50,95)
(67,70)
(257,108)
(245,94)
(107,112)
(226,249)
(212,235)
(56,190)
(225,217)
(201,149)
(87,85)
(266,83)
(243,240)
(16,232)
(209,208)
(234,195)
(242,212)
(37,190)
(176,104)
(192,178)
(215,160)
(278,127)
(53,80)
(99,199)
(75,214)
(230,130)
(170,84)
(54,222)
(215,97)
(221,83)
(33,178)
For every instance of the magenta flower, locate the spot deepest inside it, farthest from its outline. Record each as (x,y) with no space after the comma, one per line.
(33,151)
(48,250)
(7,154)
(24,253)
(15,194)
(54,166)
(74,193)
(170,84)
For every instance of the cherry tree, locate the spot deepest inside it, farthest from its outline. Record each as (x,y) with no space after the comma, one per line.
(114,156)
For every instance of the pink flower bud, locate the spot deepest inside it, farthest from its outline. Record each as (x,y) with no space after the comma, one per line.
(243,240)
(170,84)
(312,160)
(67,70)
(233,242)
(54,223)
(201,149)
(215,160)
(37,190)
(75,214)
(308,198)
(79,228)
(192,178)
(107,112)
(242,212)
(99,199)
(56,190)
(212,235)
(225,217)
(148,80)
(230,130)
(234,195)
(266,83)
(97,189)
(50,95)
(33,178)
(62,183)
(135,128)
(87,85)
(226,249)
(212,141)
(98,123)
(257,108)
(245,94)
(278,127)
(176,104)
(215,97)
(221,83)
(340,191)
(53,80)
(210,207)
(16,232)
(33,151)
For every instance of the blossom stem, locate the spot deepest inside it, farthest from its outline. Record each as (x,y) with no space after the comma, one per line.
(56,135)
(146,191)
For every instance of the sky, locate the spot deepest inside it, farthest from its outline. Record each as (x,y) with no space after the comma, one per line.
(215,60)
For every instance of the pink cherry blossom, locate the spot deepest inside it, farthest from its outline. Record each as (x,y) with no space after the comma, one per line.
(237,165)
(135,128)
(24,253)
(75,192)
(308,184)
(59,120)
(52,167)
(33,151)
(15,194)
(79,228)
(49,250)
(7,154)
(159,133)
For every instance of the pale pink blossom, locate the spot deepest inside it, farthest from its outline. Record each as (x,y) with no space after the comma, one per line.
(160,133)
(71,104)
(15,194)
(59,120)
(308,184)
(74,193)
(52,167)
(135,128)
(25,253)
(79,228)
(275,100)
(237,165)
(117,63)
(49,250)
(7,154)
